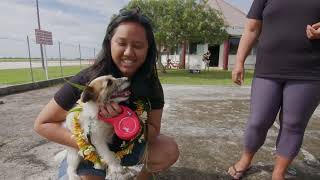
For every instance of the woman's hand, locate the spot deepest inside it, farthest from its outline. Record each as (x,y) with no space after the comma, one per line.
(313,31)
(111,110)
(238,74)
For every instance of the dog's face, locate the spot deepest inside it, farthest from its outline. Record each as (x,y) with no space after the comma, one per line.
(104,89)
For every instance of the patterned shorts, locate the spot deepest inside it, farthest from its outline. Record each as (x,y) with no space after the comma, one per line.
(86,168)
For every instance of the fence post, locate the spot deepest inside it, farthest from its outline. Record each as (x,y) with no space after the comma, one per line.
(61,72)
(30,59)
(46,62)
(80,55)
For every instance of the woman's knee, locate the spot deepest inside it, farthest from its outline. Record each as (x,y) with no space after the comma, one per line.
(173,150)
(165,151)
(92,178)
(258,125)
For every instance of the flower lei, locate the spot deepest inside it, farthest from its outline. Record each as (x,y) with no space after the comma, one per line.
(88,151)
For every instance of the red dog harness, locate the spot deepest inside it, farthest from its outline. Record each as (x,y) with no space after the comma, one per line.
(126,125)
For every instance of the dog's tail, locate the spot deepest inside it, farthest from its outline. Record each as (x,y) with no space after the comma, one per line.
(60,156)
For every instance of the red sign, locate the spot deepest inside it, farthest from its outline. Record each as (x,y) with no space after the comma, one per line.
(43,37)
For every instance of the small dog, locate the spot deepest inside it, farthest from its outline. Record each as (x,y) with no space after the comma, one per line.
(100,91)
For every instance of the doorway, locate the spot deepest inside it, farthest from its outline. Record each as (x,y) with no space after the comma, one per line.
(214,57)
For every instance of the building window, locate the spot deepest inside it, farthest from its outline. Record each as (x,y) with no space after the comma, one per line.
(234,44)
(193,48)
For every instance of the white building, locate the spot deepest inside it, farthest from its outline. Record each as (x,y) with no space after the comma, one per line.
(222,55)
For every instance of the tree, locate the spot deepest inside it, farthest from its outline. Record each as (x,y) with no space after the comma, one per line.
(182,21)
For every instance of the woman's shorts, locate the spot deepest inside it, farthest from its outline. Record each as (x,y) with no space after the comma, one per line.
(86,168)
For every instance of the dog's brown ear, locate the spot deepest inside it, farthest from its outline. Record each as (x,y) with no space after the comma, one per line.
(88,94)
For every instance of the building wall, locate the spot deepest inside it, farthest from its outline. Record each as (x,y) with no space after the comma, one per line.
(195,60)
(249,63)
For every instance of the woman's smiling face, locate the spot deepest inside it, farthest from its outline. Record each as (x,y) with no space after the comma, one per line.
(129,47)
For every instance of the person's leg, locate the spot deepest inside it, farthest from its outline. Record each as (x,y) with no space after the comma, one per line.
(162,153)
(266,99)
(300,99)
(92,178)
(85,171)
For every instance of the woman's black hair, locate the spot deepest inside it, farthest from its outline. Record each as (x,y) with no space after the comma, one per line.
(104,63)
(145,82)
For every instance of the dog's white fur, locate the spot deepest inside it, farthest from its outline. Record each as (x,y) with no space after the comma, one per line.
(97,93)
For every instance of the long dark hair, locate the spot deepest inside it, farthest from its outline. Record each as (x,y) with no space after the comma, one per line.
(104,63)
(145,82)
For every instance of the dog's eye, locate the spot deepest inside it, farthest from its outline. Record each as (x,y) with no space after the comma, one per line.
(109,83)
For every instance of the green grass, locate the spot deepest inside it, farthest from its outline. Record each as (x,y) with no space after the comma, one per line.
(18,76)
(213,77)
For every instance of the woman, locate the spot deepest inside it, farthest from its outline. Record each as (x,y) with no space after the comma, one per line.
(287,77)
(128,50)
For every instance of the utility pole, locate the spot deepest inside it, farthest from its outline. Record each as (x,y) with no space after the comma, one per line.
(44,65)
(41,48)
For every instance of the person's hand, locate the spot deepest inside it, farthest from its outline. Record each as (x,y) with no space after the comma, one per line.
(313,31)
(110,110)
(238,74)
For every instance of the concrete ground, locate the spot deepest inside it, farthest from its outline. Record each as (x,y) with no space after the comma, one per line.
(206,121)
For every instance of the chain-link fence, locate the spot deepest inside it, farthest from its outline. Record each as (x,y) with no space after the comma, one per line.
(21,60)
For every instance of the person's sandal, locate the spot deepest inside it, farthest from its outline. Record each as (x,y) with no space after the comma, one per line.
(236,175)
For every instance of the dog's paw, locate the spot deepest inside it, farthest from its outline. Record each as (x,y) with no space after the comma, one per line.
(74,177)
(130,174)
(119,173)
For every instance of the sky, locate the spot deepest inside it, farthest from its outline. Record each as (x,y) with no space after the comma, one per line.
(72,22)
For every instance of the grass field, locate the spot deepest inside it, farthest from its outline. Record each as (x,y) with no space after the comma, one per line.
(213,77)
(18,76)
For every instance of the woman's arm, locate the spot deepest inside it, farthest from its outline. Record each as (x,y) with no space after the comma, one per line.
(313,32)
(249,38)
(154,123)
(49,125)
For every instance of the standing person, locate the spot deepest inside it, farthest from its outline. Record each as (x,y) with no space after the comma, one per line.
(129,50)
(206,60)
(286,78)
(169,63)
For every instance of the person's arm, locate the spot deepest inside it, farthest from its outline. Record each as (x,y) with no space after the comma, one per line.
(249,38)
(49,125)
(154,123)
(313,31)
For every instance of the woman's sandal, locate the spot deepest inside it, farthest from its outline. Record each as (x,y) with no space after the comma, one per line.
(236,174)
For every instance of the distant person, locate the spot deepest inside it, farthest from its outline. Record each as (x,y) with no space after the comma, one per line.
(287,77)
(169,63)
(206,60)
(128,50)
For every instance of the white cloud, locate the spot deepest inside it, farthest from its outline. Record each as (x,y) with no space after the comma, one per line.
(71,22)
(19,19)
(104,7)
